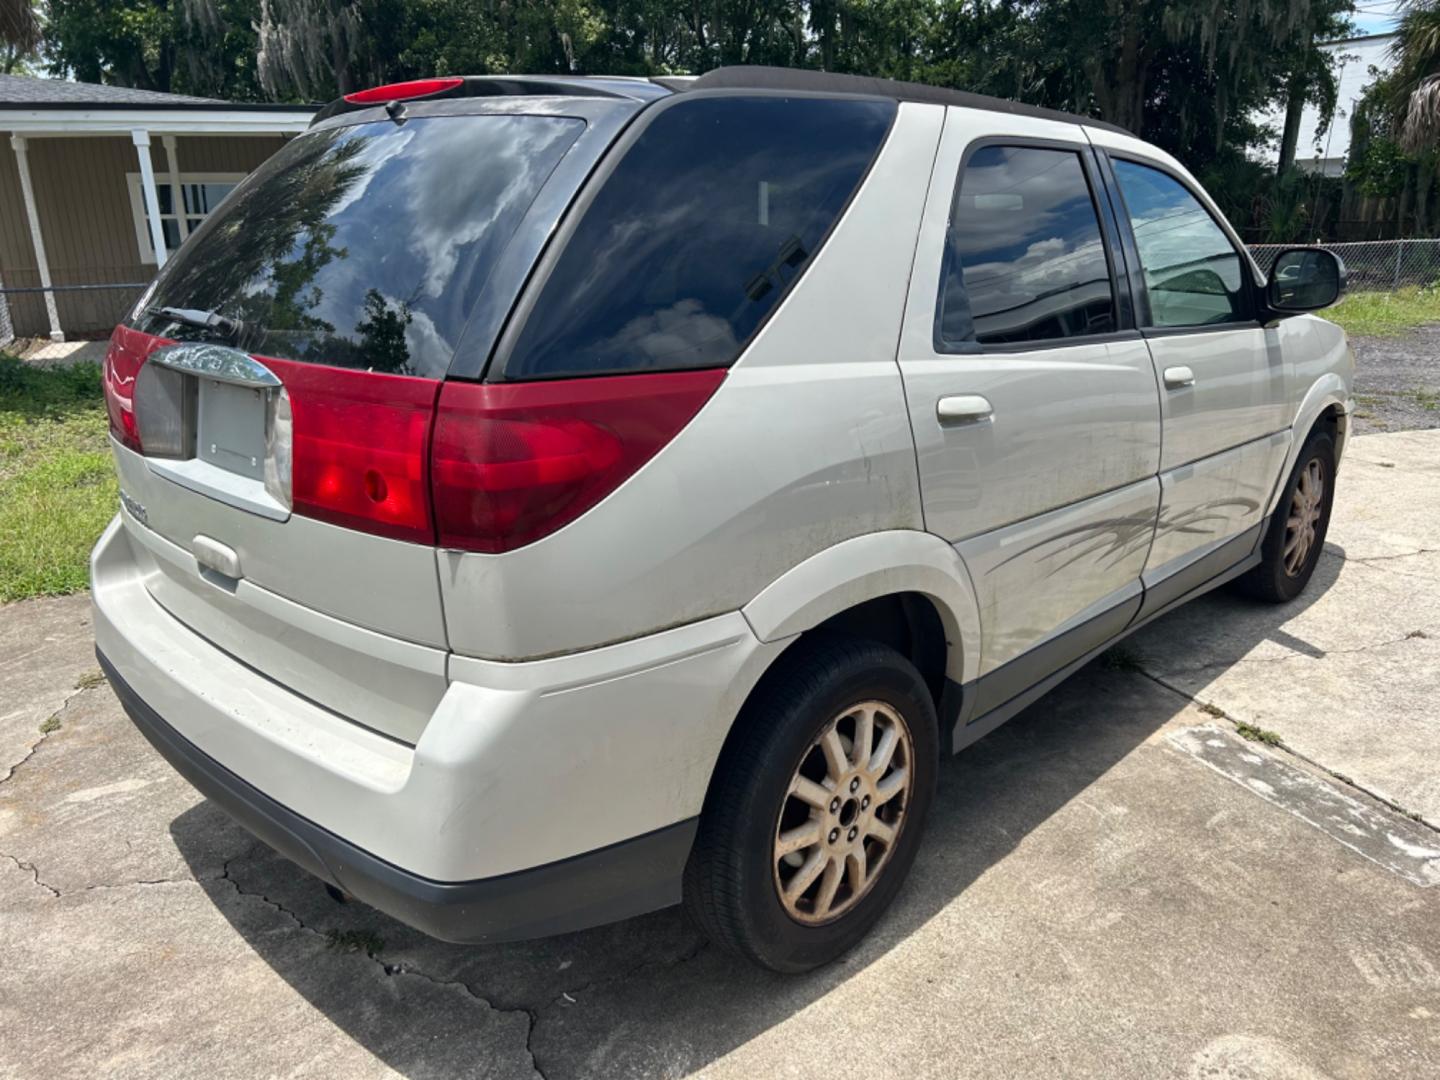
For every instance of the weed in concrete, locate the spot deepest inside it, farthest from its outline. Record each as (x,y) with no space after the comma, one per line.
(90,680)
(50,726)
(1121,658)
(1212,710)
(366,941)
(1257,734)
(1427,398)
(1364,414)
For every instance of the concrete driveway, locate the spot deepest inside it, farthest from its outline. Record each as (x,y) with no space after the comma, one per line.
(1115,884)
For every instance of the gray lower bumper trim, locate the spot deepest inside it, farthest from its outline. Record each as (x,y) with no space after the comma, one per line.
(629,878)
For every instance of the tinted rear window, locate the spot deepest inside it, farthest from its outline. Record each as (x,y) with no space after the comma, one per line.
(692,240)
(365,246)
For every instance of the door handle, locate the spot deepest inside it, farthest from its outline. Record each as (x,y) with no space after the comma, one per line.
(963,409)
(1177,378)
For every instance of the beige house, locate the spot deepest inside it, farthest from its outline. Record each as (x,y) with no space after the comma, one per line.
(99,183)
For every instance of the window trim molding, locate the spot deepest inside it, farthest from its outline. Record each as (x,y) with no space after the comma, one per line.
(1110,241)
(1143,313)
(137,203)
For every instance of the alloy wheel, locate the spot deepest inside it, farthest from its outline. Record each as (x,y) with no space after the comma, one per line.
(1305,509)
(841,818)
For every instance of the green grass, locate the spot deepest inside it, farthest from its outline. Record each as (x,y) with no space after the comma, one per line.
(57,482)
(366,941)
(1387,314)
(1257,734)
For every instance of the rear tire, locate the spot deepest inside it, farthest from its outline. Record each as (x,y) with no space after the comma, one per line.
(817,807)
(1293,543)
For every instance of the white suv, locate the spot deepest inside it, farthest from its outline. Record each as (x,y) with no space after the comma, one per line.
(545,500)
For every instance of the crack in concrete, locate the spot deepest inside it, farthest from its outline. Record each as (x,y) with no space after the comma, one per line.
(1390,558)
(388,969)
(98,886)
(569,995)
(45,735)
(34,873)
(1211,709)
(1196,669)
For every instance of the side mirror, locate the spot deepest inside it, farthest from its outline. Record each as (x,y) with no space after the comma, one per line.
(1305,279)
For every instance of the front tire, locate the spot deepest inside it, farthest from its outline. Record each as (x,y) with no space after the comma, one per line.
(817,807)
(1293,543)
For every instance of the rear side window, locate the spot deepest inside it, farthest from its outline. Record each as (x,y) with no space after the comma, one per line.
(1193,275)
(695,236)
(364,246)
(1024,258)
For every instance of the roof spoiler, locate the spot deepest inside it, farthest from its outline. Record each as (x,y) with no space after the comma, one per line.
(471,86)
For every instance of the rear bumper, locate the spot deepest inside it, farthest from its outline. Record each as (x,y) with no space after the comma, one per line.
(625,879)
(538,797)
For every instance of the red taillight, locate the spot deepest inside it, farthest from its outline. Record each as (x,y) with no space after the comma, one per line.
(359,447)
(403,91)
(512,462)
(123,359)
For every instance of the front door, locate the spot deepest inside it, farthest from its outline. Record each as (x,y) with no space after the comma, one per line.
(1225,428)
(1031,395)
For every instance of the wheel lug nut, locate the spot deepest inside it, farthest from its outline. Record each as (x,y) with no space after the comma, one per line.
(855,784)
(835,805)
(865,803)
(854,832)
(834,835)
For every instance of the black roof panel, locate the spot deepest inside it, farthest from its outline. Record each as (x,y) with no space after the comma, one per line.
(801,80)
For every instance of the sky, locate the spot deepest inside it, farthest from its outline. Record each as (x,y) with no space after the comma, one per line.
(1374,16)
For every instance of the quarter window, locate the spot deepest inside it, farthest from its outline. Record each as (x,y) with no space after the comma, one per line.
(1193,275)
(1024,256)
(698,232)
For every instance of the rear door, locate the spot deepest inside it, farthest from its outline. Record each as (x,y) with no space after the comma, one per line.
(271,396)
(1031,395)
(1222,376)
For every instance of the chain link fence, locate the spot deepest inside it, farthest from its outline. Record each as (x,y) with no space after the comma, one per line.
(1374,265)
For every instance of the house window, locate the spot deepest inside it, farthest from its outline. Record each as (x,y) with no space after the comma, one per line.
(200,194)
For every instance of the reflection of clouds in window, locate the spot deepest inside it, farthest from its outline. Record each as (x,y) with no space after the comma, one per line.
(670,264)
(1193,274)
(1172,230)
(366,245)
(373,154)
(1027,259)
(433,204)
(422,336)
(460,215)
(671,333)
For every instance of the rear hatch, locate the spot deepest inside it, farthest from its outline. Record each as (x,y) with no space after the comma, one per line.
(272,395)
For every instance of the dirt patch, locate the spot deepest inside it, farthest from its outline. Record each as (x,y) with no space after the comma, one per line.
(1397,381)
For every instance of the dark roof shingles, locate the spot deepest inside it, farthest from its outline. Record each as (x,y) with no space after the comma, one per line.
(22,90)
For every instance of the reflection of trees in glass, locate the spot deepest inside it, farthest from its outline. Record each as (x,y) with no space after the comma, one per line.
(265,250)
(382,334)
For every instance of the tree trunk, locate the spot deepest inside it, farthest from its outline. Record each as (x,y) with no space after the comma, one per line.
(1294,110)
(1407,198)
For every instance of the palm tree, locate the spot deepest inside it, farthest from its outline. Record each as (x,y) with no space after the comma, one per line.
(1417,76)
(18,25)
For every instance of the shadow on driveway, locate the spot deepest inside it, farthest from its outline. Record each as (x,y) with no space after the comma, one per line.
(683,1003)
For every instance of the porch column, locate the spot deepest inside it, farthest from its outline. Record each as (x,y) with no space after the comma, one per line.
(141,139)
(177,193)
(22,160)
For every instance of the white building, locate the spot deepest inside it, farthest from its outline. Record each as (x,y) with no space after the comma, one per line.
(1325,152)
